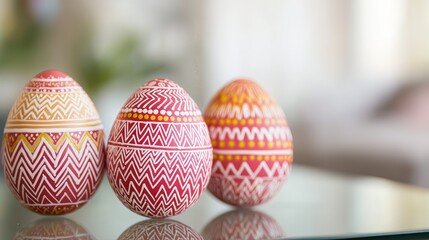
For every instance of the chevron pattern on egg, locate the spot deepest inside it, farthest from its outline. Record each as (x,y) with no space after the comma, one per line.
(53,173)
(161,94)
(243,99)
(162,98)
(53,106)
(159,152)
(251,133)
(158,183)
(160,229)
(243,112)
(145,134)
(247,184)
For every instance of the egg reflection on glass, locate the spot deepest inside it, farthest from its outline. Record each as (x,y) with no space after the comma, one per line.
(252,144)
(53,145)
(243,224)
(159,154)
(160,229)
(53,229)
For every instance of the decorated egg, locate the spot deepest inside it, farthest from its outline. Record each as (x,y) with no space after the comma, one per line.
(53,229)
(243,224)
(160,229)
(159,153)
(252,144)
(53,145)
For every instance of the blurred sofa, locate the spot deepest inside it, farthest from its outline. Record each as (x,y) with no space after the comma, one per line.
(365,128)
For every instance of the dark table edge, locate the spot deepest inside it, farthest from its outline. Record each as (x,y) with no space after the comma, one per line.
(408,235)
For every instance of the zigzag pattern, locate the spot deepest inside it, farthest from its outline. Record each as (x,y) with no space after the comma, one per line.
(247,183)
(160,229)
(45,106)
(158,183)
(161,98)
(251,133)
(244,90)
(161,94)
(53,178)
(243,224)
(159,152)
(243,111)
(148,134)
(243,99)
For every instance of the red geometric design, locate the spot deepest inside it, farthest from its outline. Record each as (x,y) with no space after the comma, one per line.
(159,151)
(53,146)
(252,144)
(247,183)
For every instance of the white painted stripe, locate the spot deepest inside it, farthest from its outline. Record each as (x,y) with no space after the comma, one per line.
(53,79)
(57,89)
(48,130)
(168,122)
(254,152)
(48,126)
(29,125)
(54,122)
(161,148)
(159,87)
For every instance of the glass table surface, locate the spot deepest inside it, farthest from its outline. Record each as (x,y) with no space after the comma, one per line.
(313,204)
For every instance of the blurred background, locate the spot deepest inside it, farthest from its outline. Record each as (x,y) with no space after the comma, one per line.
(351,76)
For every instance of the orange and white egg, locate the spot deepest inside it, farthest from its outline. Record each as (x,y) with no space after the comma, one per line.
(252,144)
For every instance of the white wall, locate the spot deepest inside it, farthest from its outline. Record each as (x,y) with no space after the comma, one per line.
(289,47)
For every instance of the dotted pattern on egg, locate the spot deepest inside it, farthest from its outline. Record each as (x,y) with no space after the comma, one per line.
(252,144)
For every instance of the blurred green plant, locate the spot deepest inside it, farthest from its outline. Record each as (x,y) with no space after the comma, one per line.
(20,41)
(21,49)
(124,61)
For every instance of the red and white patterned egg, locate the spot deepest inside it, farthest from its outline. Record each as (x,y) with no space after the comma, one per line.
(159,153)
(252,144)
(53,145)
